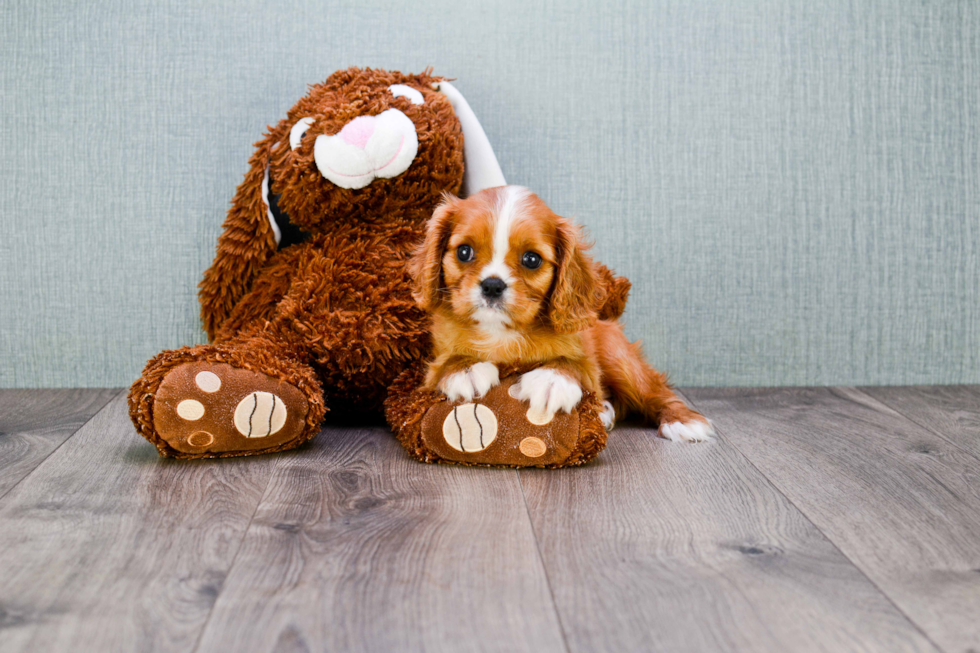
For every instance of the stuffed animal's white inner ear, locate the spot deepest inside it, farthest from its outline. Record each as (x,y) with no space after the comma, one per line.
(268,210)
(480,167)
(413,94)
(298,130)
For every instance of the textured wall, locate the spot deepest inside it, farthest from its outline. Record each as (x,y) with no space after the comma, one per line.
(792,185)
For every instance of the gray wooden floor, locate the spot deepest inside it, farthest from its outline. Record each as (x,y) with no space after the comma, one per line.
(822,519)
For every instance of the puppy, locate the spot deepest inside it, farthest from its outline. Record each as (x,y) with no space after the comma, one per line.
(505,281)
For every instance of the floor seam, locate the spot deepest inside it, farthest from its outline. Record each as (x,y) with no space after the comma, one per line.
(234,558)
(70,436)
(924,427)
(544,569)
(803,513)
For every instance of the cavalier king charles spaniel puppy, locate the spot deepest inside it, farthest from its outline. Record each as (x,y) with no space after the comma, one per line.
(505,280)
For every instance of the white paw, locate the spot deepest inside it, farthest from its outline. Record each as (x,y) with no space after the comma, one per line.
(473,382)
(608,416)
(695,431)
(547,392)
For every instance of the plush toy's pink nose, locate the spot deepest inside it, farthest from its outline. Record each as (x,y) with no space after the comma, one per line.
(358,131)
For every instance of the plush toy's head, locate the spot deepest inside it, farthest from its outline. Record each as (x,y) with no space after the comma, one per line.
(362,144)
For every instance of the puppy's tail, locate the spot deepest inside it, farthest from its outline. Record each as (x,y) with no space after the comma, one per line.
(635,386)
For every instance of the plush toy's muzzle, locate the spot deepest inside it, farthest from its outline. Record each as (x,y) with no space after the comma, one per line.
(368,147)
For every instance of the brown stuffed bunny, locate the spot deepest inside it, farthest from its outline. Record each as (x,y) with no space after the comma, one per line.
(308,303)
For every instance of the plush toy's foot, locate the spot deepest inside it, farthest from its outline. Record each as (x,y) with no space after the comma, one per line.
(213,401)
(207,407)
(496,429)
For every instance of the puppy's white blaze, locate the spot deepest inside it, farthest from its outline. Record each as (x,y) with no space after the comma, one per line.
(508,208)
(548,391)
(695,431)
(497,270)
(471,383)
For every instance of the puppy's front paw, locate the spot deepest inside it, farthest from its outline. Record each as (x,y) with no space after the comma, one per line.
(472,383)
(694,430)
(547,392)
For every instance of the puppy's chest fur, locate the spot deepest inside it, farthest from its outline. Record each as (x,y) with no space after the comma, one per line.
(500,345)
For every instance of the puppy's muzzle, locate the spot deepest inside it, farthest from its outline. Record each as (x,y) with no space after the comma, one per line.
(492,288)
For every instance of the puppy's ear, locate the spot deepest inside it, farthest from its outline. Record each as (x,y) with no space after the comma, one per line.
(575,299)
(426,265)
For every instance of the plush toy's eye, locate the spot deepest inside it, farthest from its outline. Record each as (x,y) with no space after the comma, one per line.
(400,90)
(531,260)
(298,131)
(465,253)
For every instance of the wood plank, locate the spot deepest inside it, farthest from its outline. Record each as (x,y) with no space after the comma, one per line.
(687,547)
(899,501)
(106,547)
(950,411)
(33,423)
(358,547)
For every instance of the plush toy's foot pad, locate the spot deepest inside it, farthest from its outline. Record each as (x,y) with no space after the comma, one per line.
(496,429)
(499,430)
(209,408)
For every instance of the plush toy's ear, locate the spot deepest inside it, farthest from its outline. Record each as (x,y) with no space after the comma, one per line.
(576,294)
(250,237)
(480,167)
(426,265)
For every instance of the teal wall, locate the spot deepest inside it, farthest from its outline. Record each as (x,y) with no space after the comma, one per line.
(792,185)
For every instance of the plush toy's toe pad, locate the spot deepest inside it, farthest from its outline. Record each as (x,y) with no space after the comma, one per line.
(260,414)
(533,447)
(469,428)
(204,407)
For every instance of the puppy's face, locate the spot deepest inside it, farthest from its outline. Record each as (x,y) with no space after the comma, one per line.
(504,260)
(499,262)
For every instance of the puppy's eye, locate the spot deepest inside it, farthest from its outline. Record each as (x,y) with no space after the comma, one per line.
(413,94)
(531,260)
(298,131)
(465,253)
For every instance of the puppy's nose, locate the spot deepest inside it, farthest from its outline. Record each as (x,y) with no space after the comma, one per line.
(493,287)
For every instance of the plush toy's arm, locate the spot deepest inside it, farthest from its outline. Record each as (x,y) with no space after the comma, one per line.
(246,243)
(261,301)
(617,290)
